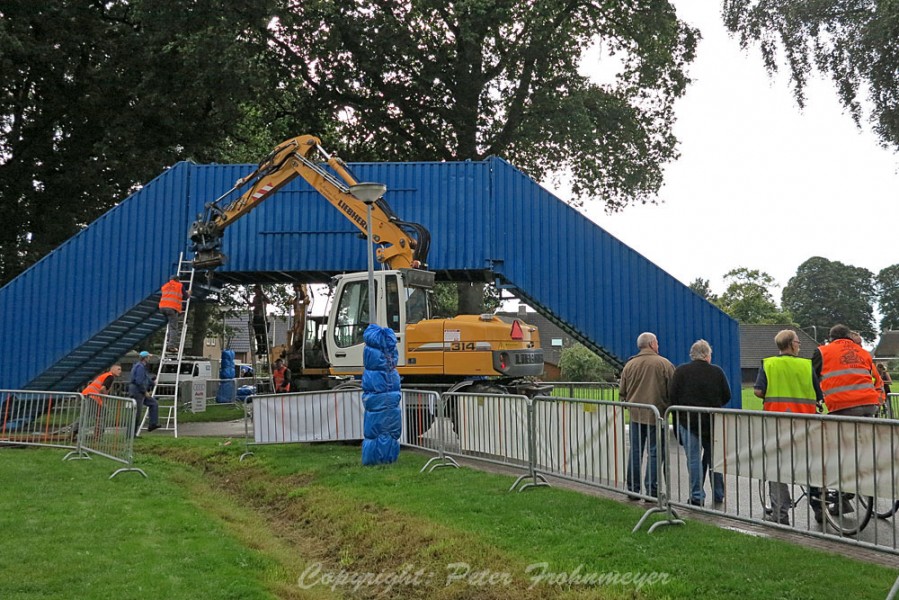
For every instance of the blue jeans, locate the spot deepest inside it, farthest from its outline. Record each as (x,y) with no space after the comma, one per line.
(699,459)
(640,434)
(151,403)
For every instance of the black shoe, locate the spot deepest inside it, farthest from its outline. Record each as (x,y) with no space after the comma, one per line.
(775,519)
(152,427)
(693,502)
(819,517)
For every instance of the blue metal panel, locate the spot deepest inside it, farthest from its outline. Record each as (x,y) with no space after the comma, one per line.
(91,280)
(603,291)
(93,298)
(297,230)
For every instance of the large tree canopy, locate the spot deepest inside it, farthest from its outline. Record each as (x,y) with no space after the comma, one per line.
(887,283)
(747,298)
(439,80)
(99,97)
(855,42)
(824,293)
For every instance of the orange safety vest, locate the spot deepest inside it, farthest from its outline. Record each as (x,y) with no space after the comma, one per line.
(280,384)
(172,295)
(94,387)
(848,376)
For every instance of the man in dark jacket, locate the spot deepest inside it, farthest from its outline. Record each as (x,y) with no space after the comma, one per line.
(699,383)
(139,389)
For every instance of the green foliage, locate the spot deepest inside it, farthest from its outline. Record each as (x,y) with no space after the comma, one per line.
(703,289)
(887,283)
(852,42)
(445,299)
(433,80)
(97,98)
(109,524)
(747,298)
(578,363)
(824,293)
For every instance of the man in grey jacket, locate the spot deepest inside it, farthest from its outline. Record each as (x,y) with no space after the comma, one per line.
(644,380)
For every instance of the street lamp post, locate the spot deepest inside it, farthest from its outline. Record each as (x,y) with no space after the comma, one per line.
(814,329)
(369,193)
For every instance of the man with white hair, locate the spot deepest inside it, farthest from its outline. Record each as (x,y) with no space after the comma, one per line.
(644,380)
(699,383)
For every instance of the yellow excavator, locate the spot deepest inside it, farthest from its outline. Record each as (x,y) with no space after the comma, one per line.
(459,352)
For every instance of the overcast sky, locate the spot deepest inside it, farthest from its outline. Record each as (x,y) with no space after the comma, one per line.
(760,184)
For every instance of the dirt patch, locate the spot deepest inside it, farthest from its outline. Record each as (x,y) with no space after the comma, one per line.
(363,549)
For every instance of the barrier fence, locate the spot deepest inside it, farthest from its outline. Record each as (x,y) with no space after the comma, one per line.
(39,418)
(98,425)
(826,476)
(853,461)
(329,415)
(107,428)
(585,390)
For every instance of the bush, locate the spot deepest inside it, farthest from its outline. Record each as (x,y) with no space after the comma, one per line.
(580,364)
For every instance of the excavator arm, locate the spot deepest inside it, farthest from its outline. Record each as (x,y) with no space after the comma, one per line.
(401,244)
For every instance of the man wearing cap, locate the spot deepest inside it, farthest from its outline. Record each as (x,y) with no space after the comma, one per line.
(139,389)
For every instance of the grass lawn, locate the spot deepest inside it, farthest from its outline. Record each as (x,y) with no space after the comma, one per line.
(288,521)
(750,400)
(214,412)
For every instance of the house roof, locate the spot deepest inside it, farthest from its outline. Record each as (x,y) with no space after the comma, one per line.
(888,346)
(757,342)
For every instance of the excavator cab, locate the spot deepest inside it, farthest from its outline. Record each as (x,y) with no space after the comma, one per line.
(400,300)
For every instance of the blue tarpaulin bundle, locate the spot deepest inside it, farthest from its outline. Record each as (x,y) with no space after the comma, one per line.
(226,391)
(382,423)
(226,371)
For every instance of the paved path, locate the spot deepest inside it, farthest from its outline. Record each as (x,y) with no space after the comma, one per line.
(230,429)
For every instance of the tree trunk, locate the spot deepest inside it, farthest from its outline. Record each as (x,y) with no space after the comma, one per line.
(201,314)
(471,298)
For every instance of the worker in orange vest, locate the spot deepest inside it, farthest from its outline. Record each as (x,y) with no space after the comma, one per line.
(102,384)
(850,381)
(282,376)
(95,390)
(171,305)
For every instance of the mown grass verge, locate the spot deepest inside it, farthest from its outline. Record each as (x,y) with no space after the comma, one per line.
(209,526)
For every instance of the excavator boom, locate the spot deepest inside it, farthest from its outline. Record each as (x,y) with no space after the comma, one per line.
(400,244)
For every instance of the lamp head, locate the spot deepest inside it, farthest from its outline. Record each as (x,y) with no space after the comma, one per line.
(368,192)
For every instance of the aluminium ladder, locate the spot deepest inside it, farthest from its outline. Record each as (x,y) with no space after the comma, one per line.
(168,413)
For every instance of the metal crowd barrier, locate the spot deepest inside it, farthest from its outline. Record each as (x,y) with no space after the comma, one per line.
(39,418)
(585,390)
(892,408)
(489,428)
(224,391)
(590,442)
(776,465)
(329,415)
(107,427)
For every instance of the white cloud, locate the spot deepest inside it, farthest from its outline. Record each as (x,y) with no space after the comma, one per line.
(760,184)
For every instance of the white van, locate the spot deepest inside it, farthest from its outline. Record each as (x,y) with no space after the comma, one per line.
(192,369)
